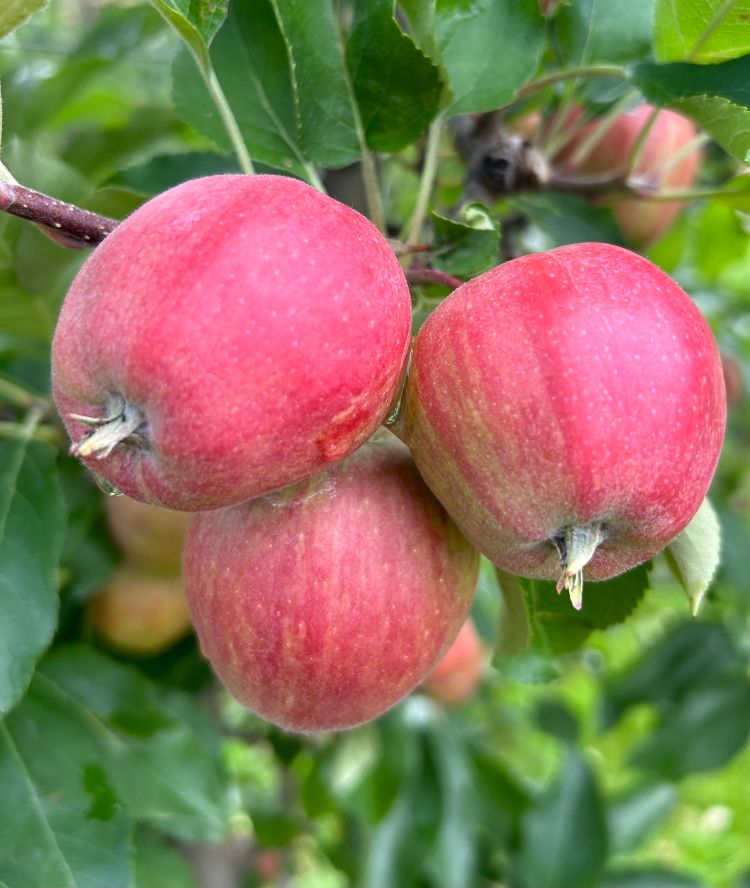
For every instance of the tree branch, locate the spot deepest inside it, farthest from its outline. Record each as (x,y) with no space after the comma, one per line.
(69,225)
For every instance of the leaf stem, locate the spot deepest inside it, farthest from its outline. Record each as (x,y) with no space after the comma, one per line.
(46,433)
(571,74)
(432,276)
(13,393)
(427,181)
(227,117)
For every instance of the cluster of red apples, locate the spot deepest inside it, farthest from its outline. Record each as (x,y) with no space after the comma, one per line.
(233,348)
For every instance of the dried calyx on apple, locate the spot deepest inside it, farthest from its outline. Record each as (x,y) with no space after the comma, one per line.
(568,409)
(235,334)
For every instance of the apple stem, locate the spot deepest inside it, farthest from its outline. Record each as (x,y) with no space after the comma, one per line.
(123,421)
(576,544)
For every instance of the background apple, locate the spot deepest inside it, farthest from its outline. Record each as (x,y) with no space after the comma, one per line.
(663,163)
(235,334)
(459,671)
(322,605)
(138,613)
(567,407)
(149,536)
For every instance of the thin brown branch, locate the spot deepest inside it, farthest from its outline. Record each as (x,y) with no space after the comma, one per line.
(431,276)
(69,225)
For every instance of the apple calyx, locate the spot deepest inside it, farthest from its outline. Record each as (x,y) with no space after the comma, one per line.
(122,422)
(576,545)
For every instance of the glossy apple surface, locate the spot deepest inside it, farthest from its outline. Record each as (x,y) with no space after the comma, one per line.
(323,604)
(139,614)
(459,671)
(578,388)
(148,536)
(236,334)
(665,162)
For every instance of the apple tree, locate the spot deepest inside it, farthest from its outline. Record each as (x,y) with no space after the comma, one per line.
(240,241)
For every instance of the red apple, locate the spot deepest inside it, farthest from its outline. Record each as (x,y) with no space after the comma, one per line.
(662,164)
(567,408)
(235,334)
(139,614)
(323,604)
(149,536)
(459,671)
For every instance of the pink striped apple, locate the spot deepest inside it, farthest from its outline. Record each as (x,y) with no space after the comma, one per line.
(235,334)
(568,409)
(323,604)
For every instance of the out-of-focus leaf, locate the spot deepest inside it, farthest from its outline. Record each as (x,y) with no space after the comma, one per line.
(64,824)
(689,653)
(398,88)
(469,35)
(157,865)
(714,716)
(717,97)
(196,21)
(694,555)
(592,31)
(404,839)
(455,854)
(552,852)
(15,12)
(161,770)
(250,60)
(323,93)
(633,816)
(701,30)
(648,878)
(557,719)
(32,526)
(468,246)
(567,219)
(168,170)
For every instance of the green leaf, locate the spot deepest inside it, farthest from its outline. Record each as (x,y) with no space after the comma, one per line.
(633,816)
(695,554)
(159,866)
(567,219)
(196,21)
(323,94)
(161,770)
(64,824)
(689,653)
(15,12)
(715,716)
(564,834)
(717,97)
(32,527)
(421,18)
(469,35)
(701,30)
(592,31)
(648,878)
(468,246)
(398,88)
(250,62)
(558,627)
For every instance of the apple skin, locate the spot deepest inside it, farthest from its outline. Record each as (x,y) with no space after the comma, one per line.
(139,614)
(562,389)
(259,327)
(321,605)
(459,671)
(148,536)
(641,222)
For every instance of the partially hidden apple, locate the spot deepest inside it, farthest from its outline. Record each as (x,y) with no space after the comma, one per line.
(235,334)
(139,614)
(668,159)
(459,671)
(149,536)
(321,605)
(568,409)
